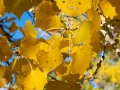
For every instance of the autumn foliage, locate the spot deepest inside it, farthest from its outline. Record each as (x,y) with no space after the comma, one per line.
(78,29)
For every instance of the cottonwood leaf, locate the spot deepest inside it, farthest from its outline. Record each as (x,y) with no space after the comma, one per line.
(54,41)
(80,62)
(29,47)
(108,10)
(95,19)
(2,82)
(73,8)
(66,47)
(2,8)
(30,29)
(95,3)
(83,33)
(36,80)
(22,66)
(17,6)
(46,17)
(115,3)
(49,60)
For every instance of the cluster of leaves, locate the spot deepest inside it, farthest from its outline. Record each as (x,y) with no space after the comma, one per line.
(76,38)
(108,76)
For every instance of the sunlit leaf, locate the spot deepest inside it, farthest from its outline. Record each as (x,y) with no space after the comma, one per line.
(54,41)
(81,59)
(2,82)
(95,3)
(83,33)
(2,8)
(115,3)
(74,8)
(49,60)
(36,80)
(95,19)
(29,47)
(31,29)
(107,9)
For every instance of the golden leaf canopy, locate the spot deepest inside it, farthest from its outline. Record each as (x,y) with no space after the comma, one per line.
(59,43)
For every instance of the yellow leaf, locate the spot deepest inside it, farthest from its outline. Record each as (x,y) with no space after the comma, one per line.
(69,49)
(95,19)
(17,6)
(107,9)
(46,17)
(95,4)
(2,8)
(29,47)
(74,8)
(115,3)
(2,82)
(81,59)
(36,80)
(83,33)
(54,41)
(5,50)
(30,29)
(49,60)
(24,32)
(44,46)
(65,46)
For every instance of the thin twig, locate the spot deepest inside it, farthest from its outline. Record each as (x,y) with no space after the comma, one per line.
(101,60)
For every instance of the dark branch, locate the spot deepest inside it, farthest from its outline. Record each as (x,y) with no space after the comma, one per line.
(101,60)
